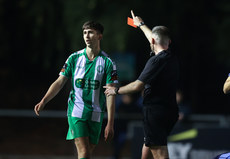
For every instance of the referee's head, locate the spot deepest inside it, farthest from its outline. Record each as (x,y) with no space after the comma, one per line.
(161,35)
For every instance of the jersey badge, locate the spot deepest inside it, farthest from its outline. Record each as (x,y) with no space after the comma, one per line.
(100,69)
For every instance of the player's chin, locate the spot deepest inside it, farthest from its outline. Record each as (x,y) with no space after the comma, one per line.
(88,44)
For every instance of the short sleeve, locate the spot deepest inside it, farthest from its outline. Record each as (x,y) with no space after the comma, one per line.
(67,68)
(111,73)
(152,68)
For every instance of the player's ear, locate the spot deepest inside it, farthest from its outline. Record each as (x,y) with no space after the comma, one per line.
(100,36)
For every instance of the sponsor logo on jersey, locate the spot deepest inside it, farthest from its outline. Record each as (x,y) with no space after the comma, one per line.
(87,83)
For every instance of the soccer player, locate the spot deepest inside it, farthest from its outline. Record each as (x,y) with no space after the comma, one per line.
(159,81)
(89,70)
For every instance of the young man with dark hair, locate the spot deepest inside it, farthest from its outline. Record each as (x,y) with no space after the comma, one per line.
(89,70)
(159,81)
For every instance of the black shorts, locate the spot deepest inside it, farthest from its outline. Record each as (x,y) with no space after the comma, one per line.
(157,126)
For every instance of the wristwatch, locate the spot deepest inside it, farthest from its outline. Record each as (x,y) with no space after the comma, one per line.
(116,90)
(141,23)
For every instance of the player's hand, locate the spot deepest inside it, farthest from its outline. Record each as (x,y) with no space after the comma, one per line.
(110,90)
(136,20)
(38,108)
(109,132)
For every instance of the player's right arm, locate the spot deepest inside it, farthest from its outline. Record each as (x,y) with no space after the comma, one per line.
(53,90)
(137,21)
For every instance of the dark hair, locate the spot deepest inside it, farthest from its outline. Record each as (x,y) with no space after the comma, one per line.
(93,25)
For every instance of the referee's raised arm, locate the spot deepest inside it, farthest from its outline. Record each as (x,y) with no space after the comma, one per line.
(140,23)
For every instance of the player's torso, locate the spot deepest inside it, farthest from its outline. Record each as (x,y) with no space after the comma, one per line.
(88,79)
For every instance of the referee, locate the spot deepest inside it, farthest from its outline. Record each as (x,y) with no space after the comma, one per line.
(159,80)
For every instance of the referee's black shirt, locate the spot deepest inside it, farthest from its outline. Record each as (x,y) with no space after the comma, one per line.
(161,75)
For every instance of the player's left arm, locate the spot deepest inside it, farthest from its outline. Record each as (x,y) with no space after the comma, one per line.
(226,87)
(109,129)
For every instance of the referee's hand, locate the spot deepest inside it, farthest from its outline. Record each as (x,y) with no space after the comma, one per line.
(136,20)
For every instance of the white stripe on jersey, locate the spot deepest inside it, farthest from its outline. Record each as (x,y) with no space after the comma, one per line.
(79,73)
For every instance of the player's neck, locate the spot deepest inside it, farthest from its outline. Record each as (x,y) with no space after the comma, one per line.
(92,52)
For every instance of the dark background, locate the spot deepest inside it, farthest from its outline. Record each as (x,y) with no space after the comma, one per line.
(37,37)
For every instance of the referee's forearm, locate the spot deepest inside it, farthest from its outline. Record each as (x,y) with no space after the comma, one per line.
(132,87)
(147,32)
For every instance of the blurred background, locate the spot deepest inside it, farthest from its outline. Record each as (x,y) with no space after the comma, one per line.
(38,36)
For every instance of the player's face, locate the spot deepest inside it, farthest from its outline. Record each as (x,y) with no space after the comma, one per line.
(91,37)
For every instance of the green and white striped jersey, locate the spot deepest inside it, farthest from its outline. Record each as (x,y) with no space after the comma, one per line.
(87,99)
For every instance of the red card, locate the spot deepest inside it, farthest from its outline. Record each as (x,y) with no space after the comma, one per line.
(130,22)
